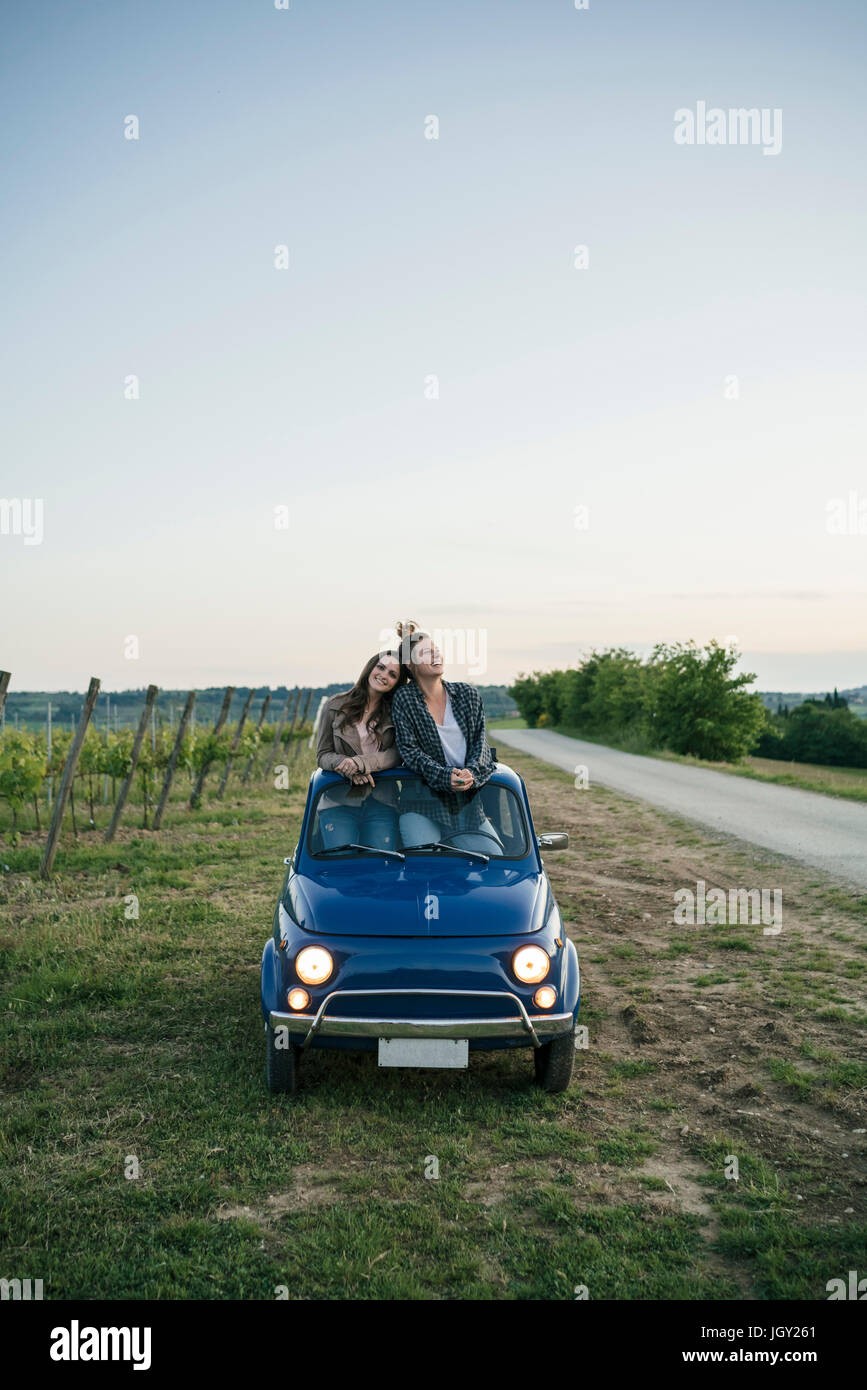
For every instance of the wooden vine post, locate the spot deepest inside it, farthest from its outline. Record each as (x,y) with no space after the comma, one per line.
(173,760)
(297,749)
(66,780)
(269,761)
(196,796)
(264,710)
(235,743)
(136,749)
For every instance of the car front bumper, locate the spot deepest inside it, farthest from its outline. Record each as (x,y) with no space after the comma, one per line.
(516,1024)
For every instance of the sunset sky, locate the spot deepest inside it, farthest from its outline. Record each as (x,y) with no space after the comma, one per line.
(698,387)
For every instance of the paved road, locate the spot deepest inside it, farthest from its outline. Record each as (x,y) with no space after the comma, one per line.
(824,831)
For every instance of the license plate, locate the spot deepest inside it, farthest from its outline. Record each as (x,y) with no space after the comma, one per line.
(424,1052)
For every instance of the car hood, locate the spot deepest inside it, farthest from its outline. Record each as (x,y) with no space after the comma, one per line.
(496,901)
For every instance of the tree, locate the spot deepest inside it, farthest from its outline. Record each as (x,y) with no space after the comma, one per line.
(528,697)
(551,691)
(819,733)
(578,692)
(699,707)
(618,698)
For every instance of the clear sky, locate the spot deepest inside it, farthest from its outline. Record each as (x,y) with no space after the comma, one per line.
(606,387)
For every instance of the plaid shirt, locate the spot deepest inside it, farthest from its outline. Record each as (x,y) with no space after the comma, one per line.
(419,743)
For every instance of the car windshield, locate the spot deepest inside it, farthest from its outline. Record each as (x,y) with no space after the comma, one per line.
(404,814)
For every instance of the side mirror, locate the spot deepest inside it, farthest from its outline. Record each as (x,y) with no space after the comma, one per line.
(288,862)
(555,839)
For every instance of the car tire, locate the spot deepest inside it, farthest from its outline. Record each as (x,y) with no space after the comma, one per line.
(281,1065)
(554,1062)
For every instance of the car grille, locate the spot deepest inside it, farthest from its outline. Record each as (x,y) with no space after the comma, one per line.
(393,1004)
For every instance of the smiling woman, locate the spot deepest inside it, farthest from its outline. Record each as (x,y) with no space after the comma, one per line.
(356,732)
(439,725)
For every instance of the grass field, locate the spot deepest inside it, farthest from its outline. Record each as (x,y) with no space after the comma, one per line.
(136,1046)
(848,782)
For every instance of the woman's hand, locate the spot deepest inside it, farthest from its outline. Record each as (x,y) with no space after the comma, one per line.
(362,779)
(462,779)
(348,768)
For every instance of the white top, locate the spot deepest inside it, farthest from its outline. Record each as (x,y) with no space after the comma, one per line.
(452,738)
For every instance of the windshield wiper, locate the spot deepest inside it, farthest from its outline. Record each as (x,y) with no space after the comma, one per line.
(371,849)
(452,849)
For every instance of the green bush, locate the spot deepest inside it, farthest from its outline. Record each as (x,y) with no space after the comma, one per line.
(683,697)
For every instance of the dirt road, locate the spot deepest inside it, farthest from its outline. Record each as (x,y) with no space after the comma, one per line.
(823,831)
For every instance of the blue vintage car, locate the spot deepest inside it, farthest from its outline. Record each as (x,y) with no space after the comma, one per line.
(420,925)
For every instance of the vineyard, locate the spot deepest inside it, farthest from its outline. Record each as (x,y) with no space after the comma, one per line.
(84,779)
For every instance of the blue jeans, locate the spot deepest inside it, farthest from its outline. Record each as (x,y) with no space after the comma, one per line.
(371,823)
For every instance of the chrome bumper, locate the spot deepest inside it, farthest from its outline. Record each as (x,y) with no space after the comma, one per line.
(517,1025)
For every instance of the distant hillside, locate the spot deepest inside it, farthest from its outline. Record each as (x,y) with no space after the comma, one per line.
(28,708)
(856,698)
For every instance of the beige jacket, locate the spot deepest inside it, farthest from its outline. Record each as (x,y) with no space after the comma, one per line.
(338,739)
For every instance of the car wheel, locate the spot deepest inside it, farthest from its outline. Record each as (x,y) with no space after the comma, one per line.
(281,1064)
(554,1062)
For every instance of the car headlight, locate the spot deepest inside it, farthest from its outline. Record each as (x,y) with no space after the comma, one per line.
(314,965)
(545,998)
(531,964)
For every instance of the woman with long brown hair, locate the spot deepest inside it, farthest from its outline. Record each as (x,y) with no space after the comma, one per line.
(356,730)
